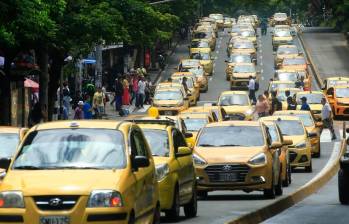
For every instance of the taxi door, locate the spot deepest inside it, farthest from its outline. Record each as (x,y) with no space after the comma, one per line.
(145,188)
(186,170)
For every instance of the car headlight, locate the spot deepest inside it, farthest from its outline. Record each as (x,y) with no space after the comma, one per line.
(104,199)
(258,159)
(198,160)
(301,145)
(11,199)
(249,112)
(161,171)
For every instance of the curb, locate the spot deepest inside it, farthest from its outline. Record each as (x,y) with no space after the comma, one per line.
(330,169)
(314,69)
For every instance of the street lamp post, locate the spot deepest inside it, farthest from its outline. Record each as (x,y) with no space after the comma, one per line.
(66,60)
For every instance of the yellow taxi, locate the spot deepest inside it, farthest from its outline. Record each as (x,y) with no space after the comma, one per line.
(281,37)
(205,57)
(193,86)
(200,77)
(211,111)
(241,75)
(94,171)
(207,22)
(280,18)
(244,47)
(236,105)
(281,95)
(9,140)
(170,100)
(249,35)
(310,124)
(224,160)
(339,100)
(297,63)
(292,128)
(335,81)
(228,23)
(198,44)
(235,59)
(275,85)
(174,167)
(218,18)
(193,123)
(314,101)
(206,35)
(285,51)
(294,76)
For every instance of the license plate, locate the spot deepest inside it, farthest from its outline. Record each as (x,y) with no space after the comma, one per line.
(168,113)
(228,177)
(54,220)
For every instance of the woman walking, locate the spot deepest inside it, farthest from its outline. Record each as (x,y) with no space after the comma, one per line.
(126,93)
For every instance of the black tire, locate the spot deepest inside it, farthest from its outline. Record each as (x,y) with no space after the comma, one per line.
(173,213)
(343,187)
(132,219)
(191,209)
(227,77)
(309,168)
(286,182)
(278,187)
(202,194)
(157,215)
(270,193)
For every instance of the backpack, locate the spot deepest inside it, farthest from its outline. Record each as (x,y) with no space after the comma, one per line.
(256,86)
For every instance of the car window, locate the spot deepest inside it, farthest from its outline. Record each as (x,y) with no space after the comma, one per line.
(72,149)
(8,142)
(234,99)
(291,127)
(178,139)
(158,142)
(168,95)
(138,144)
(312,98)
(195,124)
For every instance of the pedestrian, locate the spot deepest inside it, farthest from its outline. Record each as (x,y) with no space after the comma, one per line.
(105,98)
(266,96)
(300,83)
(327,117)
(66,100)
(140,93)
(98,104)
(262,107)
(126,93)
(291,104)
(36,115)
(79,113)
(134,81)
(119,90)
(305,105)
(148,87)
(252,89)
(87,108)
(276,105)
(185,85)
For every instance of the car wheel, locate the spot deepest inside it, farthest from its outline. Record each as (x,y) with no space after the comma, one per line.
(173,213)
(286,182)
(227,77)
(270,193)
(318,154)
(309,168)
(278,187)
(289,175)
(206,89)
(132,219)
(343,187)
(157,215)
(202,194)
(191,209)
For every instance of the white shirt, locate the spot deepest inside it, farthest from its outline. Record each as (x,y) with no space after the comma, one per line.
(141,87)
(251,84)
(326,111)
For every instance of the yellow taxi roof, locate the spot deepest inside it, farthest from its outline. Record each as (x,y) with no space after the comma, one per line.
(153,126)
(291,112)
(310,92)
(181,74)
(341,87)
(233,123)
(102,124)
(169,85)
(288,46)
(337,78)
(188,115)
(280,82)
(201,50)
(234,92)
(9,129)
(282,117)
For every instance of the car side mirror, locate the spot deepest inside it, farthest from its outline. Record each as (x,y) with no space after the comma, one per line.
(5,163)
(275,145)
(22,133)
(188,135)
(319,124)
(139,162)
(312,135)
(183,151)
(288,142)
(186,98)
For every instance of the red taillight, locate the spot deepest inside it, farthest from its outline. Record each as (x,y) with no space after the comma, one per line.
(2,202)
(115,202)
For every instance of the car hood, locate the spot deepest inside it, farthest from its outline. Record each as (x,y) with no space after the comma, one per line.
(227,154)
(282,56)
(205,62)
(239,50)
(60,182)
(236,109)
(166,102)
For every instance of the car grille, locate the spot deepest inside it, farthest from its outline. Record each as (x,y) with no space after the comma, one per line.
(227,173)
(292,156)
(346,111)
(237,117)
(56,202)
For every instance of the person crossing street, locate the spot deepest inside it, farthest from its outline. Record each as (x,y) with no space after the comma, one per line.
(327,119)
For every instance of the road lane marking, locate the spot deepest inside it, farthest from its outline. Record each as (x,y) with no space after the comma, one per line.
(262,78)
(217,52)
(262,71)
(261,63)
(214,65)
(261,57)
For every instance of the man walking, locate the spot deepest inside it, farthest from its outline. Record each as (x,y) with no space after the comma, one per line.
(326,114)
(141,93)
(252,90)
(119,90)
(305,105)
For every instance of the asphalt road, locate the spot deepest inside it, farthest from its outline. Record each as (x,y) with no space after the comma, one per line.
(223,206)
(331,55)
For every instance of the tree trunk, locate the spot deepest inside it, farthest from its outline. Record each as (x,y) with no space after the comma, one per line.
(44,79)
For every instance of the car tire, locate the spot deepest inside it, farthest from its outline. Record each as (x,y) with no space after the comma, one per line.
(270,193)
(343,187)
(157,214)
(132,219)
(191,209)
(318,154)
(309,168)
(278,187)
(227,77)
(173,213)
(202,194)
(287,181)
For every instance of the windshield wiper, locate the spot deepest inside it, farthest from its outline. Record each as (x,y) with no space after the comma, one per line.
(72,167)
(27,168)
(207,145)
(229,145)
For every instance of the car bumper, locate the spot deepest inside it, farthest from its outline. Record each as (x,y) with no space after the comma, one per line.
(300,157)
(170,110)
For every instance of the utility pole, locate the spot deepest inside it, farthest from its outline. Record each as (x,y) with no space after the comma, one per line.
(99,67)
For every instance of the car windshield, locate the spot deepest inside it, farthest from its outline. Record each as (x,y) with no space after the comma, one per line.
(247,33)
(312,98)
(190,83)
(306,118)
(202,35)
(239,59)
(158,142)
(198,72)
(72,149)
(168,95)
(287,50)
(291,127)
(190,63)
(8,142)
(243,45)
(244,69)
(332,83)
(288,76)
(283,33)
(234,99)
(200,44)
(221,136)
(294,61)
(195,124)
(200,56)
(342,93)
(275,86)
(216,17)
(281,95)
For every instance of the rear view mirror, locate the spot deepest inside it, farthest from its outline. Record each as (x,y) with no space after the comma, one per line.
(183,151)
(139,162)
(312,135)
(22,133)
(5,163)
(188,135)
(186,98)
